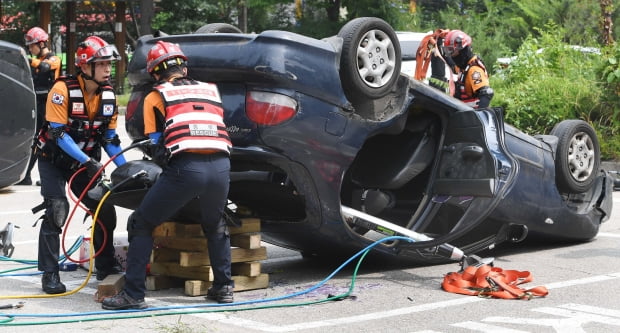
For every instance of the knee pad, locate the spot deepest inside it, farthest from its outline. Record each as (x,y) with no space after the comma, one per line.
(138,226)
(57,210)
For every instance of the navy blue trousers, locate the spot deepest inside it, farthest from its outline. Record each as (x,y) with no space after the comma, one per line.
(53,183)
(187,176)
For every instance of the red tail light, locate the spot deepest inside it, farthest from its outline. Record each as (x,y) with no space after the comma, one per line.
(267,108)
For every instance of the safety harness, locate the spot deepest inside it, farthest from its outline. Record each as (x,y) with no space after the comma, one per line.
(43,81)
(194,117)
(87,134)
(491,282)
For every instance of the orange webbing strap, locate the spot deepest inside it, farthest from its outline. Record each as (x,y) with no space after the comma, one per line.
(492,282)
(423,54)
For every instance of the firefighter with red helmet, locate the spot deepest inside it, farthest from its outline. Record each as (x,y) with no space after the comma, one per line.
(80,119)
(472,85)
(45,67)
(184,120)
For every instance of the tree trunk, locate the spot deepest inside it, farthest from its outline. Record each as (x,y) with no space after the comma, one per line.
(333,10)
(147,12)
(606,21)
(243,16)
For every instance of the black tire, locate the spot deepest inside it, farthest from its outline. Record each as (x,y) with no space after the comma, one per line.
(578,156)
(370,61)
(212,28)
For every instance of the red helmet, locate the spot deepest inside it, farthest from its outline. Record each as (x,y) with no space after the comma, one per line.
(36,35)
(162,55)
(94,49)
(455,41)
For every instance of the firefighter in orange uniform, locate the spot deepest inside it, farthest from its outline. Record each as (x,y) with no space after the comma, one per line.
(45,68)
(472,85)
(184,120)
(80,119)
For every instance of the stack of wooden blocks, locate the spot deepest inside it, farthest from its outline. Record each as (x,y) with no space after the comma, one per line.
(180,254)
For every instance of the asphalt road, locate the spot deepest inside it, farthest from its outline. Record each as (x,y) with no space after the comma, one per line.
(582,280)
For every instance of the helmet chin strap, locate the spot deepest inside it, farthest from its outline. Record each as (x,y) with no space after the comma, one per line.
(463,57)
(41,47)
(91,77)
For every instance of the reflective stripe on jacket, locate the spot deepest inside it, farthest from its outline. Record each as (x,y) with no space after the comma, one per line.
(194,116)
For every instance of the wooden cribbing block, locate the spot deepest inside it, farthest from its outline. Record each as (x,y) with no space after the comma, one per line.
(204,273)
(167,229)
(174,269)
(111,285)
(173,229)
(159,282)
(200,287)
(162,254)
(237,254)
(181,243)
(246,241)
(247,225)
(250,268)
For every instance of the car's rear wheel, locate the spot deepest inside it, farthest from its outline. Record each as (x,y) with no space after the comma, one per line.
(577,160)
(218,28)
(370,61)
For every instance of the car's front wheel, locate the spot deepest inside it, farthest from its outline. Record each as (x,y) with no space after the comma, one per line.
(370,61)
(577,159)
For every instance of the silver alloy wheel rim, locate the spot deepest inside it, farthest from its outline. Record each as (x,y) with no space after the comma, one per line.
(581,156)
(376,58)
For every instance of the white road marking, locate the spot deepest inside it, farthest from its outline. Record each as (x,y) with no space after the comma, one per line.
(608,234)
(592,309)
(588,280)
(582,316)
(574,318)
(16,212)
(394,312)
(482,327)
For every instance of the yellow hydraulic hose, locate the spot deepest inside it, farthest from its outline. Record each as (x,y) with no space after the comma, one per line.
(91,251)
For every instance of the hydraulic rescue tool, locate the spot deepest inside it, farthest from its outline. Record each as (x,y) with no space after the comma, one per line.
(380,225)
(6,240)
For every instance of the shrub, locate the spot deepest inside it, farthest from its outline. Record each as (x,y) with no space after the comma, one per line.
(549,81)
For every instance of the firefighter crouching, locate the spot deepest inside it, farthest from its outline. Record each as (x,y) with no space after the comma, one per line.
(184,120)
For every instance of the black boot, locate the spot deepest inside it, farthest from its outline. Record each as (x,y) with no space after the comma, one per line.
(51,283)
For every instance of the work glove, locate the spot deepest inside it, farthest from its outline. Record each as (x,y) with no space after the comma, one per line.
(160,154)
(92,167)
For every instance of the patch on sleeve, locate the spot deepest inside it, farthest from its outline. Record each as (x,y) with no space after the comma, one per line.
(476,77)
(58,98)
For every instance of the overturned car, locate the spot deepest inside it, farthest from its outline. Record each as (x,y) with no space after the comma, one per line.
(326,129)
(17,115)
